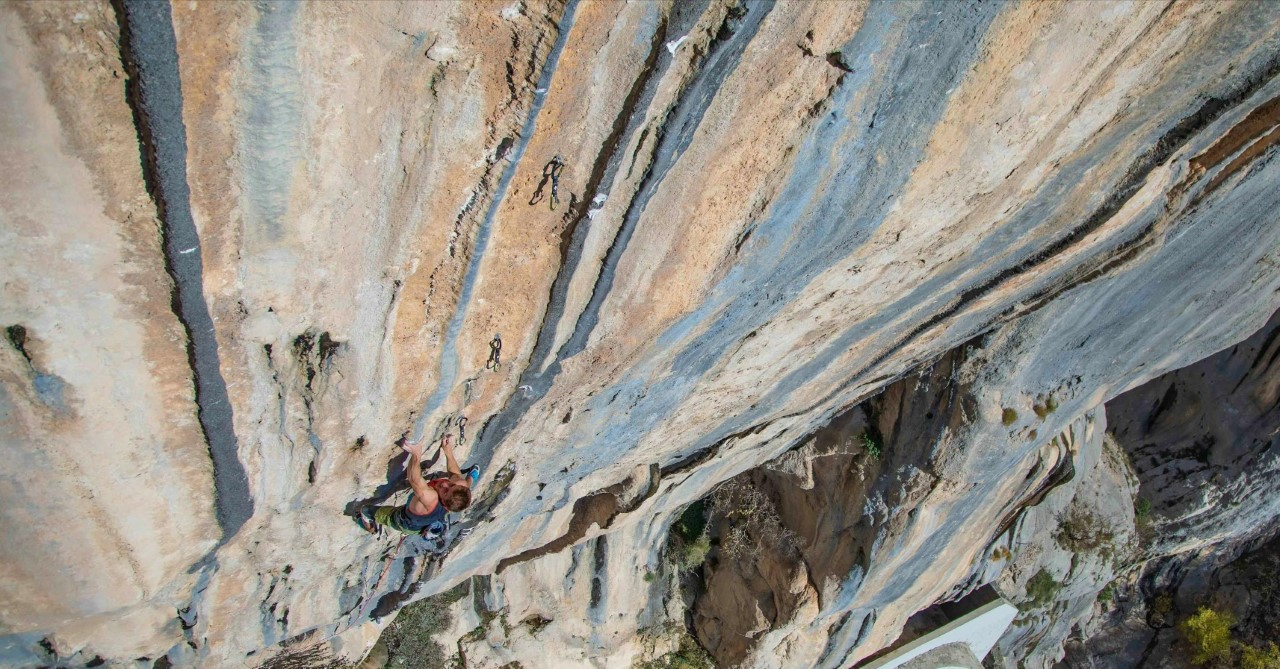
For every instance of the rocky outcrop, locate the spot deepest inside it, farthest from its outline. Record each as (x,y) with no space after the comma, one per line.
(761,215)
(1204,445)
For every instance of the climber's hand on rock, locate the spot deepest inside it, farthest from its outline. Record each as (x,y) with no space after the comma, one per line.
(413,448)
(446,443)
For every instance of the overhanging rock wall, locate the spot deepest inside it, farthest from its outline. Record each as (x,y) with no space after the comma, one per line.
(766,213)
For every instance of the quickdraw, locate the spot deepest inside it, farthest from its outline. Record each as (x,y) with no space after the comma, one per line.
(495,353)
(466,391)
(550,172)
(462,429)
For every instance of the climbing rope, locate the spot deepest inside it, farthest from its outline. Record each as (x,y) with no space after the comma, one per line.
(360,611)
(495,353)
(550,173)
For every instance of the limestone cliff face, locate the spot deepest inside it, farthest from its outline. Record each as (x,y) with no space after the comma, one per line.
(1205,447)
(767,213)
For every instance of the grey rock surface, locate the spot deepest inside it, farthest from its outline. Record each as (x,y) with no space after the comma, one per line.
(768,213)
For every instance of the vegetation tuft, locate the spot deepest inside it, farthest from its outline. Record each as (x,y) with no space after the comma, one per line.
(1211,636)
(410,637)
(1009,417)
(1208,633)
(1267,657)
(873,443)
(1082,531)
(688,542)
(747,517)
(1107,594)
(1045,407)
(535,624)
(688,655)
(1142,508)
(1042,589)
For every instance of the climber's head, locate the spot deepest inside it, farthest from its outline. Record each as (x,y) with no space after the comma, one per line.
(455,496)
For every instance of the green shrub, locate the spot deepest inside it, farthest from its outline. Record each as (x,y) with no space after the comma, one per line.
(1045,407)
(1042,589)
(692,522)
(688,542)
(872,443)
(1142,508)
(1107,594)
(1161,609)
(1260,658)
(691,555)
(1208,633)
(1009,417)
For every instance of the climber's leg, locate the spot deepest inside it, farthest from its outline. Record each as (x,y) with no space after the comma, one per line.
(386,516)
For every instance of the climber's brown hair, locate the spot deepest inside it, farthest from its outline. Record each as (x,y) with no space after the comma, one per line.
(457,498)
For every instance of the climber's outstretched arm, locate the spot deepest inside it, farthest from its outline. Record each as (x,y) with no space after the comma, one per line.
(451,463)
(414,473)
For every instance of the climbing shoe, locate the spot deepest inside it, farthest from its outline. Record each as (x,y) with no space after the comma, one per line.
(365,519)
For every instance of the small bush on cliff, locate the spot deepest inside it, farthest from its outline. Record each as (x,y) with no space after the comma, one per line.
(873,443)
(1208,633)
(747,517)
(1107,594)
(1160,611)
(693,554)
(1009,417)
(688,542)
(1142,520)
(1141,508)
(1260,658)
(1042,589)
(1080,530)
(1216,641)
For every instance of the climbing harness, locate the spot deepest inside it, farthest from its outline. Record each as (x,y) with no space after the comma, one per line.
(550,172)
(495,353)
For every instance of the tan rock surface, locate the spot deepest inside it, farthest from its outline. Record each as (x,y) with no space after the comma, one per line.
(108,496)
(768,213)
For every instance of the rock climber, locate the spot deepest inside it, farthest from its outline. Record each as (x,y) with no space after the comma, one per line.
(430,499)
